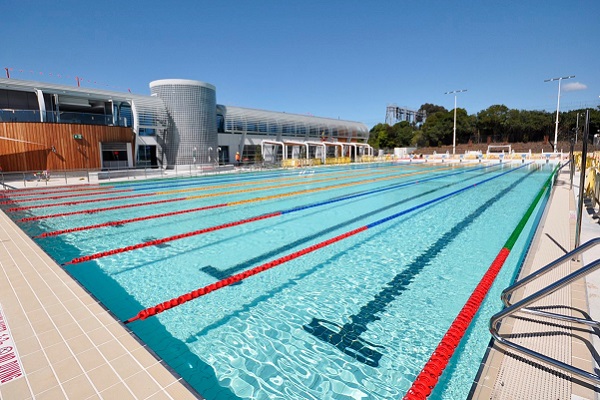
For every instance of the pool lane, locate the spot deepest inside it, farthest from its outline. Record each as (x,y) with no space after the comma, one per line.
(245,201)
(427,379)
(295,181)
(159,308)
(347,338)
(283,212)
(185,235)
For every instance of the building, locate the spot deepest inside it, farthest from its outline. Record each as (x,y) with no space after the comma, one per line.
(45,126)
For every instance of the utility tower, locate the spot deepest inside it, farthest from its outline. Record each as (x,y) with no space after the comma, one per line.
(395,114)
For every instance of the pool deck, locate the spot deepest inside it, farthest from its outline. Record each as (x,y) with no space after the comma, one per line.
(69,346)
(505,374)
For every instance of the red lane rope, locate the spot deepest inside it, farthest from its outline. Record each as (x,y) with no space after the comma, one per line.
(18,193)
(127,221)
(170,238)
(158,193)
(40,217)
(293,183)
(236,278)
(431,372)
(149,312)
(58,188)
(67,196)
(95,210)
(73,203)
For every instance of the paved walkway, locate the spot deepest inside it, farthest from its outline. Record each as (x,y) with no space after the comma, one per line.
(58,342)
(508,375)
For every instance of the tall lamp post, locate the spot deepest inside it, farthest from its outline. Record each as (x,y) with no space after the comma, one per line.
(454,130)
(557,107)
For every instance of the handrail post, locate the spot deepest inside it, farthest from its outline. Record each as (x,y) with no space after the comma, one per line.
(572,158)
(582,178)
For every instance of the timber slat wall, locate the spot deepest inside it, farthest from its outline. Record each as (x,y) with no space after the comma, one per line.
(31,145)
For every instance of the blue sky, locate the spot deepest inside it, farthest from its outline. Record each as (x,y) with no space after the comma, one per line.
(340,59)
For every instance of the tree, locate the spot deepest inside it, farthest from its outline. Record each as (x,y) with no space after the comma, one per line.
(431,109)
(492,122)
(497,121)
(568,123)
(379,136)
(383,136)
(438,130)
(403,134)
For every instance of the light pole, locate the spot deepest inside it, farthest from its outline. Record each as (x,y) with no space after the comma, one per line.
(558,107)
(454,130)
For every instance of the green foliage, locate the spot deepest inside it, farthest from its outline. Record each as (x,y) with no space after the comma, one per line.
(383,136)
(498,123)
(438,130)
(431,109)
(493,122)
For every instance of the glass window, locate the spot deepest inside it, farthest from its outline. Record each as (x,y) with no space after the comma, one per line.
(289,129)
(251,154)
(238,125)
(125,115)
(147,131)
(220,123)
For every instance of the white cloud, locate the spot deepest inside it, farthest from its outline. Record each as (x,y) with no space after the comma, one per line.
(573,86)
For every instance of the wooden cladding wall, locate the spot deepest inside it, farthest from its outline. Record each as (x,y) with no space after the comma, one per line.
(29,146)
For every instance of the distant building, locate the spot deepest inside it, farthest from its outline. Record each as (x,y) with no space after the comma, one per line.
(49,126)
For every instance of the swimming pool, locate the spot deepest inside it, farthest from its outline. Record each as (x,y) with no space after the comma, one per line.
(355,319)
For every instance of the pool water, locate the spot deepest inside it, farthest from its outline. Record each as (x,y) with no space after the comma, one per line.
(356,319)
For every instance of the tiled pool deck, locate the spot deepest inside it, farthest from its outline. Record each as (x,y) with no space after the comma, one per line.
(69,346)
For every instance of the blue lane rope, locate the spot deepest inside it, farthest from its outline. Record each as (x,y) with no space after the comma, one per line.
(352,196)
(381,221)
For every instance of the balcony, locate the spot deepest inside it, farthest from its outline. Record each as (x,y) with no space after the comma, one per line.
(66,117)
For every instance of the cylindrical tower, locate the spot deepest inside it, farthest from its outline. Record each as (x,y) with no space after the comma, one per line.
(191,137)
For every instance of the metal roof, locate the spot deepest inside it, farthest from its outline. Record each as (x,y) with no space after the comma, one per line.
(91,93)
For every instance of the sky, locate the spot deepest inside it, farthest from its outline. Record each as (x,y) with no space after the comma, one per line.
(346,59)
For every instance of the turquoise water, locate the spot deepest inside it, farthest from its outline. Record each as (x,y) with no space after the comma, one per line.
(356,319)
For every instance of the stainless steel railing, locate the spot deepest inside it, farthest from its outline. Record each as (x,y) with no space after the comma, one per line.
(521,306)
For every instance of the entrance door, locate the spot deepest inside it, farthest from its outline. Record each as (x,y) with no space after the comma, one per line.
(146,156)
(114,155)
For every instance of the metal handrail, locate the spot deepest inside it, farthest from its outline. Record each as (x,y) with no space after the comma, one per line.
(522,304)
(542,271)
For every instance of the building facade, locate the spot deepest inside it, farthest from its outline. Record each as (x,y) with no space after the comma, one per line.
(48,126)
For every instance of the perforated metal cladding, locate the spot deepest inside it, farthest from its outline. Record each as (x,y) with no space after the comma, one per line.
(276,124)
(192,132)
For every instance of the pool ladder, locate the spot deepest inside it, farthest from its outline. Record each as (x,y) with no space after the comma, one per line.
(521,306)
